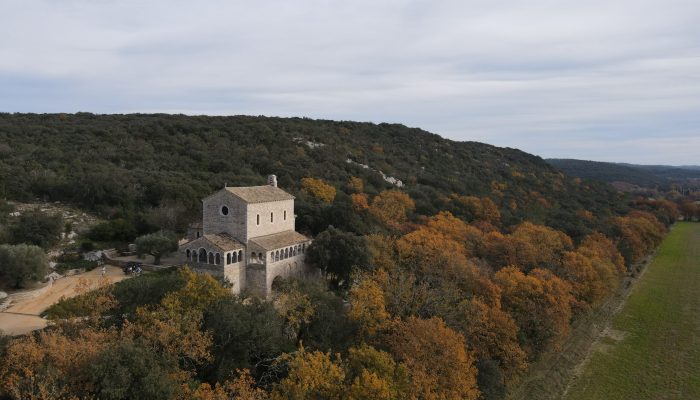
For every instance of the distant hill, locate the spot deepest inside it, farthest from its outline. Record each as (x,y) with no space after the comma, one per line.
(121,164)
(661,177)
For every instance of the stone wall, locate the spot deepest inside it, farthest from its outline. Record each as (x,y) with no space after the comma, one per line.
(235,274)
(266,227)
(214,221)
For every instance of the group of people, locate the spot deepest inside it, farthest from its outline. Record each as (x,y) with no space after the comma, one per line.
(132,268)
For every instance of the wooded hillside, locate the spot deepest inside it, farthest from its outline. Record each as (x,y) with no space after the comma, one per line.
(121,165)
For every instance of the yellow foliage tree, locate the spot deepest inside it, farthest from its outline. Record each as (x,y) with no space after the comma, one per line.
(356,185)
(368,307)
(391,208)
(318,189)
(383,251)
(312,375)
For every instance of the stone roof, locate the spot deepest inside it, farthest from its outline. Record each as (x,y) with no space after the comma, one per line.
(223,241)
(278,240)
(259,194)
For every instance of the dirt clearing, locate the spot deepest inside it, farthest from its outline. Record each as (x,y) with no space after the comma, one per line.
(23,316)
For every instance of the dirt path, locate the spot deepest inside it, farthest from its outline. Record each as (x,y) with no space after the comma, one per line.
(23,316)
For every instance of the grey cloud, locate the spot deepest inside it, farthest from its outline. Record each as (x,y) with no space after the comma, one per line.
(596,79)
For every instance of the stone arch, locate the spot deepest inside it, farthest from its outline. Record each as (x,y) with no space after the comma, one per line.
(277,255)
(211,258)
(217,258)
(202,255)
(286,254)
(276,283)
(228,258)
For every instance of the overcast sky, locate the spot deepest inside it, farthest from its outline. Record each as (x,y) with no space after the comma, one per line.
(592,79)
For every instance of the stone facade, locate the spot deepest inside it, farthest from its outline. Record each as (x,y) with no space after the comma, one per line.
(247,237)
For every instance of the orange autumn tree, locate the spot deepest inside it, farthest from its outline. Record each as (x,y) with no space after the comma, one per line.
(529,246)
(391,208)
(540,303)
(493,335)
(359,201)
(595,269)
(456,229)
(437,358)
(637,233)
(52,364)
(431,253)
(478,209)
(318,189)
(547,245)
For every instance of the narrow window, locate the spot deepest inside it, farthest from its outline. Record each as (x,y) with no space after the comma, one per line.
(258,219)
(285,215)
(218,259)
(240,255)
(228,258)
(272,217)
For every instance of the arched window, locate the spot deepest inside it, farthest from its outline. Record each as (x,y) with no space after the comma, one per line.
(211,258)
(294,251)
(228,258)
(286,254)
(272,256)
(188,254)
(202,255)
(303,248)
(199,234)
(277,255)
(258,219)
(272,217)
(218,258)
(253,257)
(260,257)
(240,255)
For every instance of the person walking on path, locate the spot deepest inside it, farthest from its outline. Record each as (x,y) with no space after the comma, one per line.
(104,270)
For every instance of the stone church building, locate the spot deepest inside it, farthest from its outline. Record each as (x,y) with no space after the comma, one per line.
(247,237)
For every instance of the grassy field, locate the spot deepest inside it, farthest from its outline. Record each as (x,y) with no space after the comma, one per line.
(653,348)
